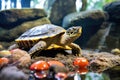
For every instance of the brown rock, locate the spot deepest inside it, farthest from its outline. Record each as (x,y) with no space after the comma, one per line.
(113,38)
(115,51)
(22,56)
(12,73)
(13,17)
(1,47)
(5,53)
(60,9)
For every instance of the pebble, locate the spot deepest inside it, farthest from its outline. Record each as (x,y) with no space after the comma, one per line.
(12,73)
(5,53)
(22,56)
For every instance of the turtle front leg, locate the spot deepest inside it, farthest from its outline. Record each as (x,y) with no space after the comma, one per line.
(41,45)
(76,50)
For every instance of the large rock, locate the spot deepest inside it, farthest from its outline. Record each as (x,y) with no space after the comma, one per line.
(90,22)
(113,39)
(106,39)
(13,17)
(11,34)
(48,5)
(61,8)
(96,42)
(113,9)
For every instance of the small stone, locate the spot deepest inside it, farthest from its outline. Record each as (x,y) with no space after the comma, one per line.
(115,51)
(12,73)
(5,53)
(21,56)
(3,61)
(1,46)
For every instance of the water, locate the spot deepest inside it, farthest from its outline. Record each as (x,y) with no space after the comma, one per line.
(103,39)
(96,76)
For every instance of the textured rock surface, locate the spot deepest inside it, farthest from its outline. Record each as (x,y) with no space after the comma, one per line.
(21,56)
(13,17)
(113,39)
(100,62)
(67,60)
(106,40)
(12,73)
(97,41)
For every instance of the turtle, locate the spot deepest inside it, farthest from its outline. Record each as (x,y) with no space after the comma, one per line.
(50,36)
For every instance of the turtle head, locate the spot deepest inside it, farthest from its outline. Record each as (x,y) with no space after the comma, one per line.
(74,31)
(71,34)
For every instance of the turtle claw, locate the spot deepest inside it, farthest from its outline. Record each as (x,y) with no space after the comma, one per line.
(78,55)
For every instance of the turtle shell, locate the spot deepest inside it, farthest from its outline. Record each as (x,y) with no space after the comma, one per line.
(37,33)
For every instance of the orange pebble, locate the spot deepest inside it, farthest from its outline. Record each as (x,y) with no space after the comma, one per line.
(39,65)
(4,61)
(80,62)
(57,63)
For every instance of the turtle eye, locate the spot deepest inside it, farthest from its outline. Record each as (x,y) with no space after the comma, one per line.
(73,31)
(69,31)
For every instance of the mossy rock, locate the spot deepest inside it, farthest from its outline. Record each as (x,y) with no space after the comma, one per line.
(13,17)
